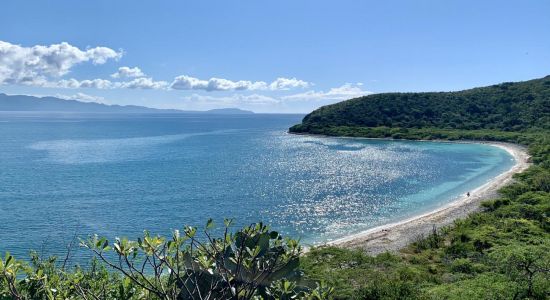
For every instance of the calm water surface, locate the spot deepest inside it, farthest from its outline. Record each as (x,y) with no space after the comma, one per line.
(63,175)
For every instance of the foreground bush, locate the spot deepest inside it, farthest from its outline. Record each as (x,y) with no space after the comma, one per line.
(252,263)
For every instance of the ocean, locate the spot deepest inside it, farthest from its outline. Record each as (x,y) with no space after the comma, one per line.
(71,175)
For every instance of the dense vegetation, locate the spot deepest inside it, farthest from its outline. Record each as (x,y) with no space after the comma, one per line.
(502,252)
(505,107)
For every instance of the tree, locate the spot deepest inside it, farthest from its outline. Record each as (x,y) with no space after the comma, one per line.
(524,263)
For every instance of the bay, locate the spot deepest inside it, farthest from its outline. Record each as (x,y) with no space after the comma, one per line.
(67,175)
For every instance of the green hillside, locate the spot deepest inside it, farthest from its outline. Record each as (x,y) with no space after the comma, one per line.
(506,107)
(502,252)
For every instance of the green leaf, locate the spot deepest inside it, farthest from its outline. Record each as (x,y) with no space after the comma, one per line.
(209,224)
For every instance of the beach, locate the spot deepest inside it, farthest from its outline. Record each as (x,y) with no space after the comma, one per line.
(395,236)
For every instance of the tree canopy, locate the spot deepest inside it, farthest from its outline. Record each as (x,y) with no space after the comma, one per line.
(517,106)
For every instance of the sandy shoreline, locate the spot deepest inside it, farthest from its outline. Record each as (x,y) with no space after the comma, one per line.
(395,236)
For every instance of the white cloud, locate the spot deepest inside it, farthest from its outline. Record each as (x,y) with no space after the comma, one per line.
(138,83)
(143,83)
(82,97)
(344,92)
(185,82)
(75,84)
(288,83)
(34,65)
(127,72)
(43,66)
(235,99)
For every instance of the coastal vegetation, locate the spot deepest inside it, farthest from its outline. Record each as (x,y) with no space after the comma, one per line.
(251,263)
(508,107)
(501,252)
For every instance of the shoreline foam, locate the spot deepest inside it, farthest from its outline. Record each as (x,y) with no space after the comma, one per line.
(397,235)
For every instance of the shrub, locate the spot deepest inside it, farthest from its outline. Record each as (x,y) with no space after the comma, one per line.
(250,263)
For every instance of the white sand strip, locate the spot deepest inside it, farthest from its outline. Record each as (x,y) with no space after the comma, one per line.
(395,236)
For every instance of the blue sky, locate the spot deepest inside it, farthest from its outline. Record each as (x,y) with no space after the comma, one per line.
(267,56)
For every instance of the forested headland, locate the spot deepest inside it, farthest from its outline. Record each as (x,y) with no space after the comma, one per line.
(502,252)
(506,107)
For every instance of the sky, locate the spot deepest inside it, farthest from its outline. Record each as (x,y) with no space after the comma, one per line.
(266,56)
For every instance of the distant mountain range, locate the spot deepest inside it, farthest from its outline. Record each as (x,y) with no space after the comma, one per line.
(53,104)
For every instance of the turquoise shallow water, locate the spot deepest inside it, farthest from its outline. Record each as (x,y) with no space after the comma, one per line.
(63,175)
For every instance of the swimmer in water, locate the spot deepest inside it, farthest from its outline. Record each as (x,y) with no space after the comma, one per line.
(468,194)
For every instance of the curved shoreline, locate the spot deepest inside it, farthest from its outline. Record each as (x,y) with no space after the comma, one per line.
(397,235)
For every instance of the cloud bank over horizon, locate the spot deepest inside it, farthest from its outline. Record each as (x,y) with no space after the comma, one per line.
(184,82)
(35,65)
(48,66)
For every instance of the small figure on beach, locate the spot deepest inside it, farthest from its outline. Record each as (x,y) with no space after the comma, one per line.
(468,194)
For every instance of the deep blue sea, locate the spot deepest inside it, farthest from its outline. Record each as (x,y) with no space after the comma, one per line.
(63,175)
